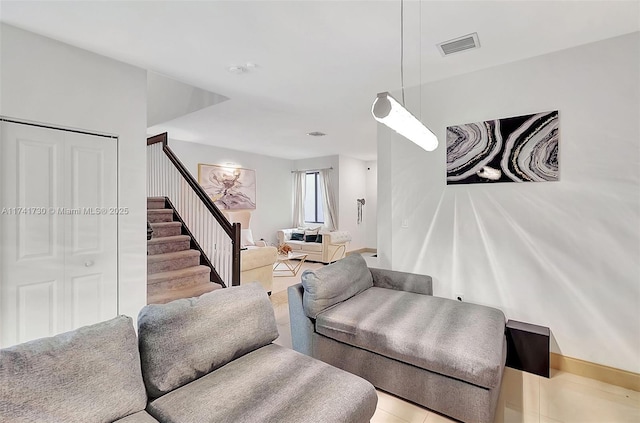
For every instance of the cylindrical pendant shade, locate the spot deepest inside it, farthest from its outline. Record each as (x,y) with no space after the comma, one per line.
(387,110)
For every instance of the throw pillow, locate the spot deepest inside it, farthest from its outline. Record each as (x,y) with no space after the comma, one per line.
(186,339)
(246,238)
(311,232)
(310,235)
(334,283)
(297,236)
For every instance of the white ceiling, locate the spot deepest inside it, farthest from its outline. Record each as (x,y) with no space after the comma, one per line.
(320,63)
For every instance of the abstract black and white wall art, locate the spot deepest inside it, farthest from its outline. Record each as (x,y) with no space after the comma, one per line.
(515,149)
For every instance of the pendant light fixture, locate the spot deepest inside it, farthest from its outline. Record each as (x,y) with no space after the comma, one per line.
(388,110)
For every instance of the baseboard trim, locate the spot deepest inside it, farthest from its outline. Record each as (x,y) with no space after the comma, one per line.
(610,375)
(362,250)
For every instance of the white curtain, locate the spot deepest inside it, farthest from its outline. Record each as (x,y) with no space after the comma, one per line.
(329,206)
(299,183)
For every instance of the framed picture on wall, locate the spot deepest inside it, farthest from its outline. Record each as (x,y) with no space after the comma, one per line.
(515,149)
(230,188)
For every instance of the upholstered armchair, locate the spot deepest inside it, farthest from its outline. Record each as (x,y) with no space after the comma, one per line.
(256,258)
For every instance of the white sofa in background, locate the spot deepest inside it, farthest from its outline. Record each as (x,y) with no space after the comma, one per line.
(333,246)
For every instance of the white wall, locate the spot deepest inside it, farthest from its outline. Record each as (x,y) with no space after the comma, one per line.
(386,139)
(353,185)
(273,183)
(371,206)
(47,81)
(561,254)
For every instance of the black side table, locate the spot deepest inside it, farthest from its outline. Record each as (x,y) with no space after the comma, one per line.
(528,347)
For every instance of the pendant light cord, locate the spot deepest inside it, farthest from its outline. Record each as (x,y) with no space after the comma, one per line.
(402,48)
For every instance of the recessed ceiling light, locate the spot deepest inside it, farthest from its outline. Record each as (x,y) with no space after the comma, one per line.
(239,69)
(316,134)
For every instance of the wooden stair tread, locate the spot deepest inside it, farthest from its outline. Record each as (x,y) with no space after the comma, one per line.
(154,258)
(176,274)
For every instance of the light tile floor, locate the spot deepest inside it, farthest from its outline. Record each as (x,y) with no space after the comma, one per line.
(524,398)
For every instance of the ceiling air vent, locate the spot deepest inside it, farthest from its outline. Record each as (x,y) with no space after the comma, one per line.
(466,42)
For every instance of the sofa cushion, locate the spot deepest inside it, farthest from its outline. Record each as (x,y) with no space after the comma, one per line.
(460,340)
(271,384)
(297,236)
(139,417)
(305,246)
(185,339)
(91,374)
(334,283)
(295,245)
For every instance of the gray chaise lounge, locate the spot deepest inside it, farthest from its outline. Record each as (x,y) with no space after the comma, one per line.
(198,360)
(386,327)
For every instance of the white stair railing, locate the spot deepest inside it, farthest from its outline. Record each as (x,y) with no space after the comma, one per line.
(218,239)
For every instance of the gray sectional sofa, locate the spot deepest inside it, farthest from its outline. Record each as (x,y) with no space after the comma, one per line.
(198,360)
(388,328)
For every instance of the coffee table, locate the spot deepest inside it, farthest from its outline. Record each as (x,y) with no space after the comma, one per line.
(291,268)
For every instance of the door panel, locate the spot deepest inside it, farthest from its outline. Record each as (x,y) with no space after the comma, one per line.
(87,176)
(37,310)
(88,292)
(58,267)
(37,170)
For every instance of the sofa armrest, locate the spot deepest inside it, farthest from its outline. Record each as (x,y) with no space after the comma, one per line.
(336,237)
(261,243)
(402,281)
(284,235)
(255,257)
(302,327)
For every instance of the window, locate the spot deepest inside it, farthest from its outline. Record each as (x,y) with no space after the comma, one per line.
(313,212)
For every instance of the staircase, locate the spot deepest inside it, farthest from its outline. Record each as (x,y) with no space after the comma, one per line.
(173,268)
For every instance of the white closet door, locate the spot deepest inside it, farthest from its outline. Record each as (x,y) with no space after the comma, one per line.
(59,260)
(32,283)
(91,290)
